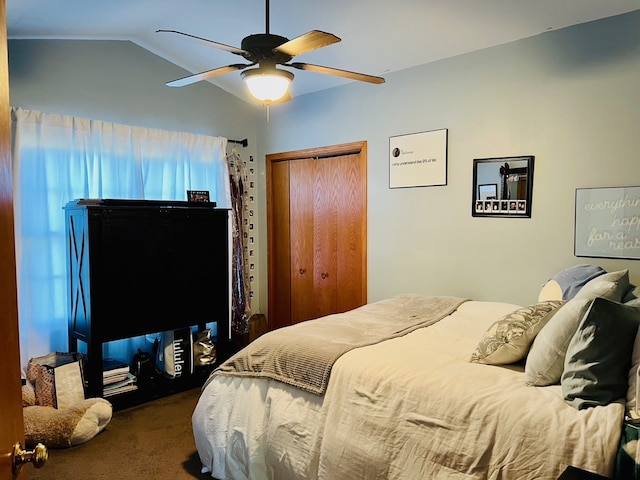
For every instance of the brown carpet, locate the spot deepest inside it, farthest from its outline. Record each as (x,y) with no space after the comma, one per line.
(149,441)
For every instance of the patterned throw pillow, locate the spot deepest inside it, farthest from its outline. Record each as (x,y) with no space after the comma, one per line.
(508,339)
(43,380)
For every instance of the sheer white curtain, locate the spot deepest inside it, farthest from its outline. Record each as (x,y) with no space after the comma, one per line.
(58,158)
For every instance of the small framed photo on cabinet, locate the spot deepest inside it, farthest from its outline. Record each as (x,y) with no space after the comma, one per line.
(198,196)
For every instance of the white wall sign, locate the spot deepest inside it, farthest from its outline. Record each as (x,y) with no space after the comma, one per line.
(608,222)
(418,159)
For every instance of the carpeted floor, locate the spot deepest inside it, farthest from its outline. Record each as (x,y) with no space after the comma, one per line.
(149,441)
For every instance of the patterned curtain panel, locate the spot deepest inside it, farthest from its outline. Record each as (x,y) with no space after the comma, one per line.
(240,302)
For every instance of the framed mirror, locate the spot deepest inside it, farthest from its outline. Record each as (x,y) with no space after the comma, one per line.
(502,187)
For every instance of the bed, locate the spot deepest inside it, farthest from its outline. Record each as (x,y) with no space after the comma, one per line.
(425,392)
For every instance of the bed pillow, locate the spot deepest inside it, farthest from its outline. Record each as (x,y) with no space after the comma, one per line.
(612,285)
(545,361)
(632,297)
(633,378)
(565,284)
(508,339)
(597,362)
(633,303)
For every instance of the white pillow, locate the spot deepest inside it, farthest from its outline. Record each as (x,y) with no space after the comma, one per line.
(550,291)
(612,286)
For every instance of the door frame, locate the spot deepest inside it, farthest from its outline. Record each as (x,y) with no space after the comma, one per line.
(11,419)
(359,148)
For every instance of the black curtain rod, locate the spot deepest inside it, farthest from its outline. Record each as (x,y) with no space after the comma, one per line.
(244,142)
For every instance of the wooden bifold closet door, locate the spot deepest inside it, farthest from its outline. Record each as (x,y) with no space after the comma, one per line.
(316,219)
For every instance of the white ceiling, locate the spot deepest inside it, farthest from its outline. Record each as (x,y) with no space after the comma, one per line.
(378,36)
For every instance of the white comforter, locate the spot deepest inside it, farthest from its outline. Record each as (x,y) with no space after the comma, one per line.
(407,408)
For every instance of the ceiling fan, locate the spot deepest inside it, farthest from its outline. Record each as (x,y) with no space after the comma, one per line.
(266,82)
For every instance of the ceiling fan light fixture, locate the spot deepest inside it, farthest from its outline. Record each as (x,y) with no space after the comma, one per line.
(267,84)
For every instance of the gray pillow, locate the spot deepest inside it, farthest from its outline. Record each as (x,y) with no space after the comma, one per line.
(545,361)
(598,358)
(508,340)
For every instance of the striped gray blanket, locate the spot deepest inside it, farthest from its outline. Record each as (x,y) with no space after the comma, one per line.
(303,354)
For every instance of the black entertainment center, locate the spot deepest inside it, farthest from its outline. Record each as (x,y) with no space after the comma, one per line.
(138,267)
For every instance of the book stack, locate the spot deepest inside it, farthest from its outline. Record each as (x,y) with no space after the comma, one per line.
(116,377)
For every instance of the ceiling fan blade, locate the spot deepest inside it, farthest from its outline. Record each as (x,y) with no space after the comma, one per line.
(362,77)
(209,43)
(188,80)
(307,42)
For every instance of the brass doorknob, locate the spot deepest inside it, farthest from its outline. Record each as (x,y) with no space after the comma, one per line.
(38,456)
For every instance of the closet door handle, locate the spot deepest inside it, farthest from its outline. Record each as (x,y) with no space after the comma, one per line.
(303,271)
(324,275)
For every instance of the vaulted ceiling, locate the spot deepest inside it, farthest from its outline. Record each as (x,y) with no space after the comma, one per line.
(378,36)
